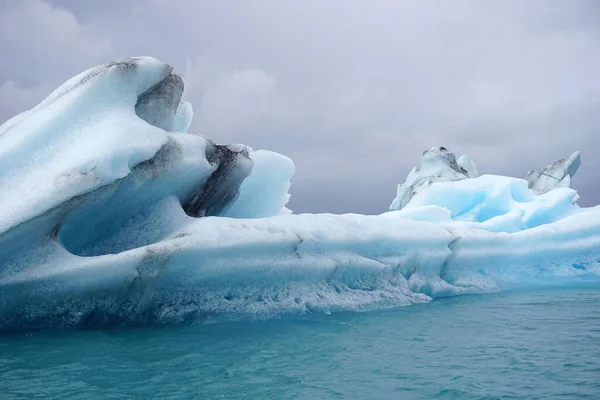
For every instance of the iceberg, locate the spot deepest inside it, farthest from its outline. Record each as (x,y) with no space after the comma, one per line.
(442,191)
(112,214)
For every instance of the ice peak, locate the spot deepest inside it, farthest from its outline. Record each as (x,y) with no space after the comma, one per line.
(437,165)
(555,175)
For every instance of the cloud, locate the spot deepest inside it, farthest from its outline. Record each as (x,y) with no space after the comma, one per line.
(247,95)
(15,99)
(42,45)
(354,92)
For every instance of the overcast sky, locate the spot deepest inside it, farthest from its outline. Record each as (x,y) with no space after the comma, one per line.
(353,91)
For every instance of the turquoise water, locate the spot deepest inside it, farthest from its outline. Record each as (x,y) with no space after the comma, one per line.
(517,345)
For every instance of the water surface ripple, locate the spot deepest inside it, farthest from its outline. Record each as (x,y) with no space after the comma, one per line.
(517,345)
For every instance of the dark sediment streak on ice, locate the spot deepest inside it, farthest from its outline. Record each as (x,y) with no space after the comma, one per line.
(221,189)
(558,174)
(158,105)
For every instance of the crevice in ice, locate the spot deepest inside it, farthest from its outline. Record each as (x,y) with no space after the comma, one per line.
(451,245)
(413,269)
(297,245)
(549,176)
(148,272)
(135,304)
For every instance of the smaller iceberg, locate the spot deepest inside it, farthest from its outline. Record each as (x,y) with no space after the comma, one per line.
(447,191)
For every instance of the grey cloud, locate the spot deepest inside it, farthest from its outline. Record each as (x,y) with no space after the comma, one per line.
(42,42)
(42,45)
(352,91)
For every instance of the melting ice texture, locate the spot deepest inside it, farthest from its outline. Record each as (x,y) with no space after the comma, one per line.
(111,214)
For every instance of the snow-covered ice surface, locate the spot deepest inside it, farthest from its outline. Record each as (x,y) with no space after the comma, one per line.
(111,214)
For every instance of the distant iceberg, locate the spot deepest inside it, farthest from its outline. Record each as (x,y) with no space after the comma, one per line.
(111,214)
(443,191)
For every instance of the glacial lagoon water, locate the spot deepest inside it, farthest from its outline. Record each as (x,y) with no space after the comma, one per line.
(542,343)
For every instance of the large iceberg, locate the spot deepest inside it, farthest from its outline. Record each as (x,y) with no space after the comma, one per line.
(111,214)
